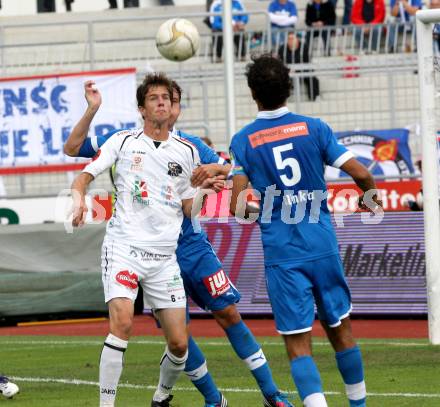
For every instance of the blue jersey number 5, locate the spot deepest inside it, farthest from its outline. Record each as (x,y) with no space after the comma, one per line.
(290,162)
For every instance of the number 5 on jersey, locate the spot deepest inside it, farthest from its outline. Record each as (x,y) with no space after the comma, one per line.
(285,163)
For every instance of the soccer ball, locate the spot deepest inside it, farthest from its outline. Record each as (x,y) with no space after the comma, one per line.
(177,39)
(10,390)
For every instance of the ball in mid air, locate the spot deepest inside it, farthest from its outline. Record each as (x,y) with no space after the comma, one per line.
(177,39)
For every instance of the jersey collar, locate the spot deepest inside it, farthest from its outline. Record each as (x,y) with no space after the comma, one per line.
(272,114)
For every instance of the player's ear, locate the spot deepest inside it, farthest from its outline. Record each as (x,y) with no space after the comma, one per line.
(142,111)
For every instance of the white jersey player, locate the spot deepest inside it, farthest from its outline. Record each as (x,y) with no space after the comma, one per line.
(153,191)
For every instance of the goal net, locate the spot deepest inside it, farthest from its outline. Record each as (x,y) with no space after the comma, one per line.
(429,83)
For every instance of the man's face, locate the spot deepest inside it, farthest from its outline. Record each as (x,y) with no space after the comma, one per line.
(435,4)
(157,105)
(175,109)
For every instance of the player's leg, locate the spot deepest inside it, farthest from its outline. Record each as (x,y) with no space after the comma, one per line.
(333,301)
(120,290)
(249,350)
(173,322)
(164,293)
(291,296)
(349,361)
(209,286)
(196,367)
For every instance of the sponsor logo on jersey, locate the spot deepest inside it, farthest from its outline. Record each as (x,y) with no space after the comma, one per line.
(137,163)
(217,283)
(278,133)
(140,193)
(174,169)
(127,279)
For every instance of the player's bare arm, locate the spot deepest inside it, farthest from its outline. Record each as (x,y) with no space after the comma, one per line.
(79,132)
(79,190)
(363,179)
(239,205)
(205,171)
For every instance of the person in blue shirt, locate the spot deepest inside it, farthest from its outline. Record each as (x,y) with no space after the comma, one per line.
(283,17)
(199,265)
(403,15)
(238,25)
(283,156)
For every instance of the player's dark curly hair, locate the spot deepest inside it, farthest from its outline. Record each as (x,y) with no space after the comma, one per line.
(269,80)
(177,88)
(152,80)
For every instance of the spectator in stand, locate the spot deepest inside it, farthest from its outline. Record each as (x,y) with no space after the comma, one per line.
(319,15)
(347,10)
(68,4)
(403,16)
(296,52)
(283,17)
(368,12)
(436,4)
(238,23)
(128,3)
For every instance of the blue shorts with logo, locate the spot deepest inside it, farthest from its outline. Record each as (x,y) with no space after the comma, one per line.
(204,279)
(295,287)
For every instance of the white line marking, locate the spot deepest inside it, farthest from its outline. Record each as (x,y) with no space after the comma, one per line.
(209,343)
(78,382)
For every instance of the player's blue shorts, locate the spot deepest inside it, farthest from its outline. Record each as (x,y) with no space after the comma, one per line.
(294,288)
(205,280)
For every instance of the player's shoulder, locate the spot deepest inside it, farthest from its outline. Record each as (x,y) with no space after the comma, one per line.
(184,145)
(136,132)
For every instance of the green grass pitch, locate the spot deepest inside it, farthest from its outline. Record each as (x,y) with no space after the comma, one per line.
(63,371)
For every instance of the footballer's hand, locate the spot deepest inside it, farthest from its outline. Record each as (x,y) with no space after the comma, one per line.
(370,206)
(92,95)
(215,184)
(202,173)
(79,212)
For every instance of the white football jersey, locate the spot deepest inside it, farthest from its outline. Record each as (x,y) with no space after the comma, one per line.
(150,184)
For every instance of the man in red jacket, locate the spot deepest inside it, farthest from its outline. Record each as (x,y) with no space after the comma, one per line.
(368,12)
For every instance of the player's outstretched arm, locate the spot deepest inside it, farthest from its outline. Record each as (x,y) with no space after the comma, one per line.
(363,179)
(81,129)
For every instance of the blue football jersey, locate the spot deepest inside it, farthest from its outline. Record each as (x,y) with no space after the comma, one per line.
(188,236)
(284,156)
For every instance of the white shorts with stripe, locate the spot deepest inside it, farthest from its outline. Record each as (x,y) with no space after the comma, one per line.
(155,269)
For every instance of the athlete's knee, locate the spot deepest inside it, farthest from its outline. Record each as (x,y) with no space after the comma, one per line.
(227,316)
(121,319)
(298,345)
(341,337)
(178,346)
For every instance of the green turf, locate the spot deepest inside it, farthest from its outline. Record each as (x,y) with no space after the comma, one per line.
(409,368)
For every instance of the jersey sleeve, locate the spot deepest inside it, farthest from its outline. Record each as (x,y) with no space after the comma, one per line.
(207,154)
(91,145)
(237,158)
(187,191)
(105,158)
(334,154)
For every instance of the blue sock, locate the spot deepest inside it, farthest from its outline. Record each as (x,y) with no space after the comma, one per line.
(248,349)
(197,371)
(350,365)
(306,376)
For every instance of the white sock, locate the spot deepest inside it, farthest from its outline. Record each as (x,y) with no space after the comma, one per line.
(356,391)
(315,400)
(170,368)
(110,369)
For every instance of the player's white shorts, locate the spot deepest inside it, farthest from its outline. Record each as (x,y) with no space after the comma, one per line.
(155,269)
